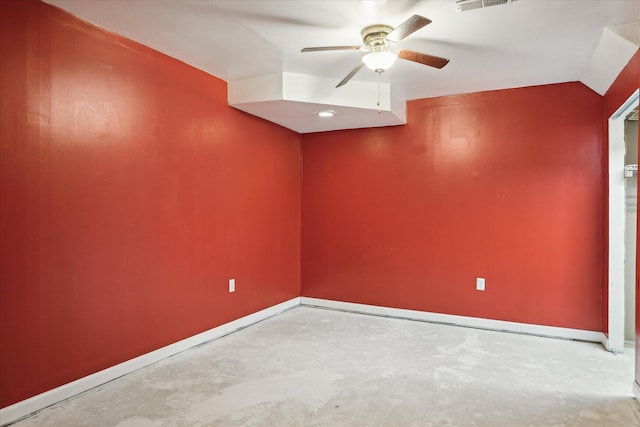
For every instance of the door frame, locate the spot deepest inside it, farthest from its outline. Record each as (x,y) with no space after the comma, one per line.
(615,265)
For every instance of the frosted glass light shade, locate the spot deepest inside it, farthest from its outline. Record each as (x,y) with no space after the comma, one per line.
(379,61)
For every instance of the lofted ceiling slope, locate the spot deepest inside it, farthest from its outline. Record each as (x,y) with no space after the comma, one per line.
(255,46)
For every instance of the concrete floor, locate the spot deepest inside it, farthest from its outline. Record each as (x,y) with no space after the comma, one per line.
(315,367)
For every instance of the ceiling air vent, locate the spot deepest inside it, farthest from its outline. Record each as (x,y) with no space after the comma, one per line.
(464,5)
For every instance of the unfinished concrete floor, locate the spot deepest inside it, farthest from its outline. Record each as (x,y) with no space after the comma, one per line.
(316,367)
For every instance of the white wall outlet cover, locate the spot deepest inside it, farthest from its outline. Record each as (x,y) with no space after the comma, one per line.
(232,285)
(480,284)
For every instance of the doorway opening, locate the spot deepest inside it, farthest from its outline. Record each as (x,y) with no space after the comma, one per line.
(631,214)
(618,224)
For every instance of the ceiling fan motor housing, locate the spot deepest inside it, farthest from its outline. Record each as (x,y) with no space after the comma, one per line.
(375,35)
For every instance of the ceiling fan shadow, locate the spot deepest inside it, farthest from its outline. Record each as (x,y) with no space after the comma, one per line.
(451,47)
(273,18)
(399,7)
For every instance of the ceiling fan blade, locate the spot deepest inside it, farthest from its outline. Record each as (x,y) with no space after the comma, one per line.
(350,75)
(409,26)
(422,58)
(323,48)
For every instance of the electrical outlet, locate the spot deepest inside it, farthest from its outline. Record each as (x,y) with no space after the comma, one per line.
(480,284)
(232,285)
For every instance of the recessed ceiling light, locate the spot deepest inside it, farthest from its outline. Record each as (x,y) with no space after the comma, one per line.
(326,113)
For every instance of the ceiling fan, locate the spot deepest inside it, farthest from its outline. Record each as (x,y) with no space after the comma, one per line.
(378,39)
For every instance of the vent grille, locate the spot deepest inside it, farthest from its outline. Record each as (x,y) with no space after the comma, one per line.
(465,5)
(488,3)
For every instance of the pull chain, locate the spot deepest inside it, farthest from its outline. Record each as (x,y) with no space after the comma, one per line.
(378,100)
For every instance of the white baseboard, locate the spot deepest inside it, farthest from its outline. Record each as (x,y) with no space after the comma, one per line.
(607,344)
(636,390)
(36,403)
(450,319)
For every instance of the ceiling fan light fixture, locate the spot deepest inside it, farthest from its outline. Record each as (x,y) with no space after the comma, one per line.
(379,61)
(376,40)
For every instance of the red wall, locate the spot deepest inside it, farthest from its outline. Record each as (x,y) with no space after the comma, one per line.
(505,185)
(130,193)
(622,88)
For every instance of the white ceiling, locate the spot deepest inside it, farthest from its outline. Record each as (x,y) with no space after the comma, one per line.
(250,42)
